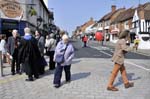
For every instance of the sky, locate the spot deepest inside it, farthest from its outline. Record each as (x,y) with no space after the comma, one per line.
(71,13)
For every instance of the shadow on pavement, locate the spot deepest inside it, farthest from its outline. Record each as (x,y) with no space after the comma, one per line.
(47,73)
(130,78)
(78,76)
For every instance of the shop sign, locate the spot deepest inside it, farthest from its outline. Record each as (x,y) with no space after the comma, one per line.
(11,8)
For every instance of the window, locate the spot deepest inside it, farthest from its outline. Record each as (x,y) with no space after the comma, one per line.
(40,11)
(31,1)
(137,24)
(126,25)
(101,25)
(134,24)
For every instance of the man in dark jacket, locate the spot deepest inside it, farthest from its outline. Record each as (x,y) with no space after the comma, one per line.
(41,42)
(29,55)
(13,43)
(41,45)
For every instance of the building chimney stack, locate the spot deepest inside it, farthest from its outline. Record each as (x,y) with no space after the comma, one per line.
(141,12)
(113,8)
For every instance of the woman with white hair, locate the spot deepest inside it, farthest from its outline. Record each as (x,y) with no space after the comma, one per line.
(63,56)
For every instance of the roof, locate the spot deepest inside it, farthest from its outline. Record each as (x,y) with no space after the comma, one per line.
(147,14)
(109,15)
(129,13)
(125,15)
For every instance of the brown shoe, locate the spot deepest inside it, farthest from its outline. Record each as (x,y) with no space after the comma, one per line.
(128,85)
(112,89)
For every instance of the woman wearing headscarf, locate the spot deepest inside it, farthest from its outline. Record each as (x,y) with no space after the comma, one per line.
(63,56)
(121,49)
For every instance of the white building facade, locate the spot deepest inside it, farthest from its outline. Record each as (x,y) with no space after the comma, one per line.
(18,14)
(141,27)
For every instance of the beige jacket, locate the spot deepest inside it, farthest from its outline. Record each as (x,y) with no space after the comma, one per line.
(50,44)
(120,50)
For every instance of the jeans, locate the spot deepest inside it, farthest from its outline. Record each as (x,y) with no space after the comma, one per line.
(58,73)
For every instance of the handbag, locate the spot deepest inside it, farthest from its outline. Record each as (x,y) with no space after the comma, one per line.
(60,58)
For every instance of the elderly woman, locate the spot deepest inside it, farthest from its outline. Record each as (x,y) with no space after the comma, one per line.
(65,50)
(118,58)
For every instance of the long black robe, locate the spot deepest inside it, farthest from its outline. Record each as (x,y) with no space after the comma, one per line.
(29,56)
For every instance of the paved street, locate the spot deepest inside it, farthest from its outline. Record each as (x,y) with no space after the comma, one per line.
(91,69)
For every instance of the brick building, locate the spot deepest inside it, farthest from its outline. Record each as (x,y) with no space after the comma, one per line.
(81,29)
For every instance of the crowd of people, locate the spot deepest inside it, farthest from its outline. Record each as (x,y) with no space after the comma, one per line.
(27,55)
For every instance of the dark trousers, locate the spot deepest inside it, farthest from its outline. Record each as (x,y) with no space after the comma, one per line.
(84,43)
(31,69)
(51,62)
(58,73)
(15,64)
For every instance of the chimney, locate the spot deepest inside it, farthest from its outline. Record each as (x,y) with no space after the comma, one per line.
(91,19)
(141,12)
(113,8)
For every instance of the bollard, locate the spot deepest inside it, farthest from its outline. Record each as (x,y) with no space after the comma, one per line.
(1,65)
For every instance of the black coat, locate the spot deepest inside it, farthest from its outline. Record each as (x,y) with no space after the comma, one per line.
(29,55)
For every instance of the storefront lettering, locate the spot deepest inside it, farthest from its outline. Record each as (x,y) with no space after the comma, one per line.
(11,9)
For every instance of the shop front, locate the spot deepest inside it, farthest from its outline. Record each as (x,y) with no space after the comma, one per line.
(11,13)
(7,25)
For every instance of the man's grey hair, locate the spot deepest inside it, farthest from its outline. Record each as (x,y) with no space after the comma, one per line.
(27,30)
(14,31)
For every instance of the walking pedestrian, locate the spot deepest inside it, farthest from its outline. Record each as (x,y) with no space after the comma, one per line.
(136,42)
(118,58)
(63,56)
(85,39)
(51,45)
(29,55)
(13,43)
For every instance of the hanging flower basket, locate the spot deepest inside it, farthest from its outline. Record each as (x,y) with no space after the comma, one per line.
(32,12)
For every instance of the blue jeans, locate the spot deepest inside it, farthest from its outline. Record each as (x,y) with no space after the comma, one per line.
(58,73)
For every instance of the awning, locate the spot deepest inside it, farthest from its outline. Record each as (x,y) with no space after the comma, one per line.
(115,31)
(107,27)
(100,29)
